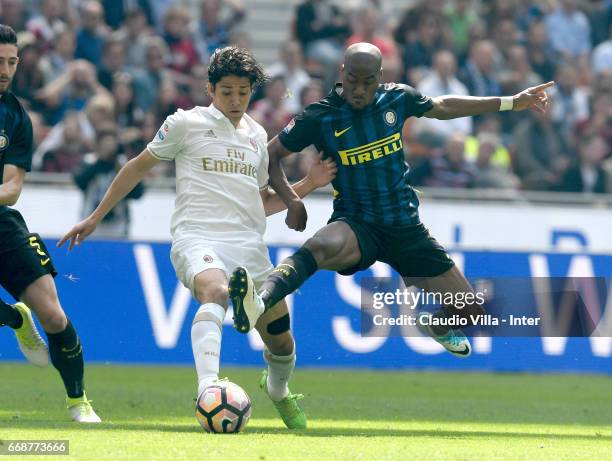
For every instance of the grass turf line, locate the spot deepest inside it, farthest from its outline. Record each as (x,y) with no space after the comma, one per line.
(148,415)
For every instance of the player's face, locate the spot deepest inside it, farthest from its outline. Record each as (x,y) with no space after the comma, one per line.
(8,65)
(231,95)
(359,86)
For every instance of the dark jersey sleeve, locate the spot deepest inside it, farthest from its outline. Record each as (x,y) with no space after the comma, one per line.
(300,132)
(416,104)
(19,150)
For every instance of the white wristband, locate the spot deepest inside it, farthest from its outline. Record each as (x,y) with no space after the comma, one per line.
(507,103)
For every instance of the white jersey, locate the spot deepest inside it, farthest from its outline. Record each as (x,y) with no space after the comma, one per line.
(220,170)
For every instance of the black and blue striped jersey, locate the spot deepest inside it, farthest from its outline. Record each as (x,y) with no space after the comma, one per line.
(15,149)
(372,179)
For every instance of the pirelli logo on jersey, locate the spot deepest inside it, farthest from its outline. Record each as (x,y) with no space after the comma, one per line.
(372,151)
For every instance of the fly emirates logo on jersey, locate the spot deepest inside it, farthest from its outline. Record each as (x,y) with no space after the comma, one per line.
(234,163)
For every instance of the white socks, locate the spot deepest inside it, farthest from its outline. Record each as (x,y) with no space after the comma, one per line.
(280,369)
(206,343)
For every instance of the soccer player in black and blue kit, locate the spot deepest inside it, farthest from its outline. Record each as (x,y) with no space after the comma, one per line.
(26,269)
(359,125)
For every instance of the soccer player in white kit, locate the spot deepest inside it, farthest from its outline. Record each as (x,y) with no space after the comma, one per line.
(222,200)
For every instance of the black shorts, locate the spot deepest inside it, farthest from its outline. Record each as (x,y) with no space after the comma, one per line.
(409,250)
(21,266)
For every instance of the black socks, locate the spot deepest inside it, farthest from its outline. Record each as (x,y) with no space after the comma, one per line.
(288,276)
(67,357)
(10,316)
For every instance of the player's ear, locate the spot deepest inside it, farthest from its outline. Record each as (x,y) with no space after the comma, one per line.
(210,88)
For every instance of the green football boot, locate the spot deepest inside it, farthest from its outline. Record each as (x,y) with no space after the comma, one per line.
(288,409)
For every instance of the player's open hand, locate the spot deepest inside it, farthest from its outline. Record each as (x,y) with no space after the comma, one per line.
(296,216)
(322,172)
(78,233)
(534,98)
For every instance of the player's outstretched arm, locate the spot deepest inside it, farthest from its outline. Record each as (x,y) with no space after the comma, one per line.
(321,173)
(451,106)
(127,178)
(296,211)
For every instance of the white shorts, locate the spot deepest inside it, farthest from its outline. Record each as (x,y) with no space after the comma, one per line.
(190,256)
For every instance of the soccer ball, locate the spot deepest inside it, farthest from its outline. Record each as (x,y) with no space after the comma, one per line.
(223,407)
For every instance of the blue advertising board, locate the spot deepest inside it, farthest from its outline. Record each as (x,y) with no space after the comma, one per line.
(128,307)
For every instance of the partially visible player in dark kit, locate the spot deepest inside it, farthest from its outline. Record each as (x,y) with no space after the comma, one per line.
(26,269)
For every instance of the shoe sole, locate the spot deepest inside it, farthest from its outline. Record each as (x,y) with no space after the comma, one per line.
(238,288)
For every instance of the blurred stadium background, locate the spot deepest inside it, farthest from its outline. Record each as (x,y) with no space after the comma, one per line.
(514,194)
(511,195)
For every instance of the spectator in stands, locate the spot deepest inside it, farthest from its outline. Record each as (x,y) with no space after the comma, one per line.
(505,35)
(440,81)
(91,36)
(214,32)
(478,74)
(539,51)
(367,30)
(113,61)
(71,90)
(13,13)
(490,173)
(56,61)
(322,29)
(448,169)
(269,111)
(197,94)
(100,110)
(49,23)
(117,11)
(68,155)
(542,154)
(460,15)
(600,120)
(290,67)
(312,92)
(147,81)
(601,60)
(134,34)
(183,54)
(570,33)
(127,114)
(517,72)
(30,78)
(587,173)
(95,175)
(418,53)
(406,30)
(569,101)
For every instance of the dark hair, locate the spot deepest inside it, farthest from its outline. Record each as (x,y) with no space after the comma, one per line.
(236,61)
(7,35)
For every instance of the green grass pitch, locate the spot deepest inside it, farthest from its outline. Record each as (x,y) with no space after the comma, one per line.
(353,415)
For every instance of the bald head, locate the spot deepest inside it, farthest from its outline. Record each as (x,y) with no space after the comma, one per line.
(362,72)
(363,57)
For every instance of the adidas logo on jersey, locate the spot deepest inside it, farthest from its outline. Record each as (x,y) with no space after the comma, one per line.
(210,134)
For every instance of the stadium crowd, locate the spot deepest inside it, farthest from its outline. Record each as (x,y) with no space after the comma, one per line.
(99,77)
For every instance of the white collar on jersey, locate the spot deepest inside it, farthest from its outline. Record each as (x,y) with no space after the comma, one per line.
(215,112)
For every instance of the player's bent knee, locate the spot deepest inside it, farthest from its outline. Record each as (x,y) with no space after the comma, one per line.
(323,248)
(54,321)
(281,345)
(212,293)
